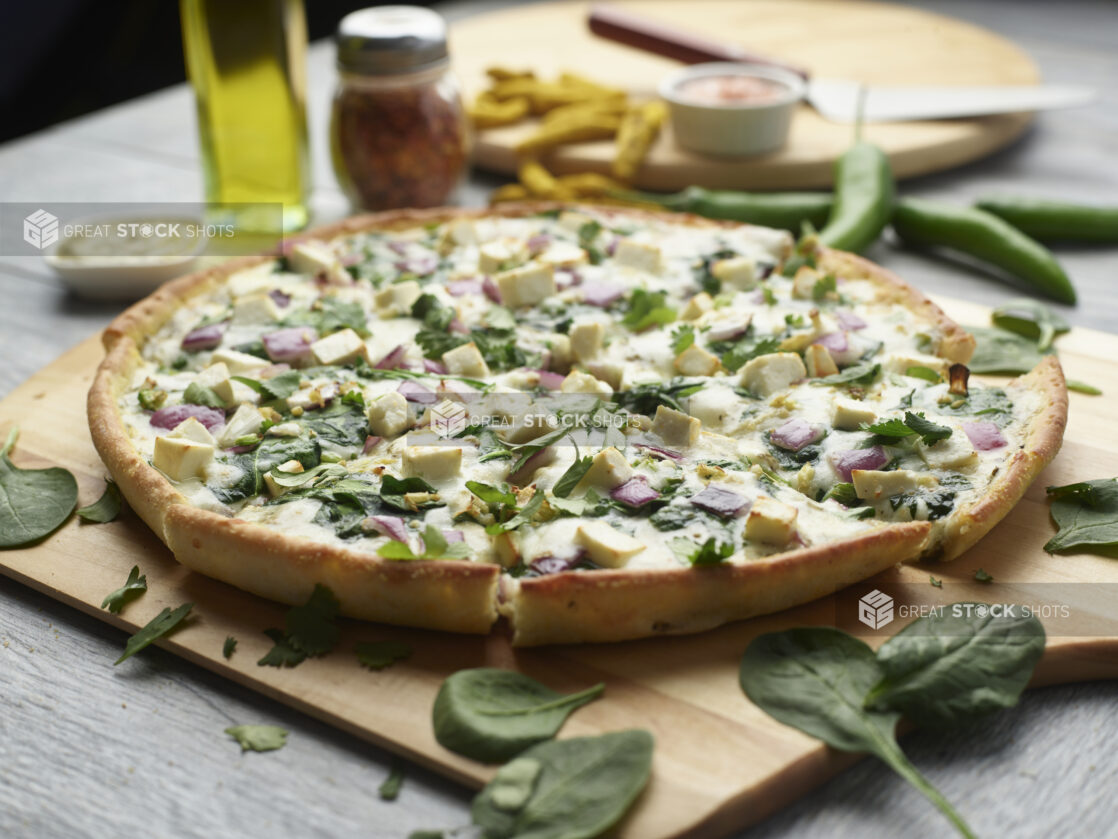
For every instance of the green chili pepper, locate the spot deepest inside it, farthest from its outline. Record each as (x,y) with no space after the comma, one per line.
(864,192)
(782,210)
(1055,220)
(985,237)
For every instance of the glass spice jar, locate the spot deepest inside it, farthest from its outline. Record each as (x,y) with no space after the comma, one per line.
(399,132)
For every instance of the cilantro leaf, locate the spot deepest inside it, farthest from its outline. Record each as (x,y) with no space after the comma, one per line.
(490,494)
(858,374)
(525,515)
(158,627)
(710,552)
(258,738)
(823,286)
(283,654)
(587,237)
(935,582)
(377,655)
(646,309)
(682,338)
(229,647)
(982,576)
(435,546)
(735,355)
(929,432)
(104,509)
(844,494)
(311,627)
(894,428)
(569,479)
(277,387)
(136,585)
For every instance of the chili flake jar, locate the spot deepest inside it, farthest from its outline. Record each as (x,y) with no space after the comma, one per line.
(399,133)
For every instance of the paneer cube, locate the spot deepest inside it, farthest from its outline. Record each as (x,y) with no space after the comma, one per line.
(526,286)
(803,284)
(572,221)
(586,340)
(388,415)
(638,255)
(500,256)
(738,272)
(606,545)
(563,255)
(674,427)
(609,372)
(608,469)
(819,361)
(238,363)
(849,414)
(455,234)
(396,300)
(770,522)
(339,348)
(185,452)
(697,306)
(771,373)
(695,361)
(466,360)
(275,489)
(258,278)
(256,308)
(245,421)
(433,463)
(317,258)
(216,378)
(579,381)
(956,452)
(872,485)
(900,363)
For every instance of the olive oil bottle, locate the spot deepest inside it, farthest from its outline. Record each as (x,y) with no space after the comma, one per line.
(247,62)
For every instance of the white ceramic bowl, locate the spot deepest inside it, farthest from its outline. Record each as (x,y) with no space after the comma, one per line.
(99,270)
(732,128)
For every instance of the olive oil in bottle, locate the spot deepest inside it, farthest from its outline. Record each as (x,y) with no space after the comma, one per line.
(247,62)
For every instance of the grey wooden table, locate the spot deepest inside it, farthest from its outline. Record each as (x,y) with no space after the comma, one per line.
(91,750)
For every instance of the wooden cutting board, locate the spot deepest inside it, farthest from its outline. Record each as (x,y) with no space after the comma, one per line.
(720,764)
(874,43)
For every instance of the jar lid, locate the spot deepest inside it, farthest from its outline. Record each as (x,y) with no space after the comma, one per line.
(387,40)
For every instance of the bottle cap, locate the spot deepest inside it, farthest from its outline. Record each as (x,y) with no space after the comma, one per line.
(390,40)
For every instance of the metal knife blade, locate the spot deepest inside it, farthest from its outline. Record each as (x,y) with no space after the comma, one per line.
(837,100)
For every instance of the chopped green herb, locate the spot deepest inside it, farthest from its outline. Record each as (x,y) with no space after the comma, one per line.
(858,374)
(435,546)
(935,582)
(912,425)
(158,627)
(390,789)
(283,654)
(104,509)
(682,338)
(258,738)
(569,479)
(925,373)
(823,286)
(711,552)
(151,399)
(133,587)
(311,627)
(646,309)
(377,655)
(982,576)
(229,647)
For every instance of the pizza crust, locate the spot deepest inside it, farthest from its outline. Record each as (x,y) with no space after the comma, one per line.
(462,596)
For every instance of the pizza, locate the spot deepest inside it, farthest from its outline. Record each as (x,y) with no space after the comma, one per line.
(594,424)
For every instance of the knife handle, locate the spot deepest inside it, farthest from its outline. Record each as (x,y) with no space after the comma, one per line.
(634,31)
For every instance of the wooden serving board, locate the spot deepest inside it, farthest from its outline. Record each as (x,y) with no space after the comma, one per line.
(874,43)
(720,763)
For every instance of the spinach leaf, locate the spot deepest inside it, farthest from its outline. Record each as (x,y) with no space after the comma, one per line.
(569,479)
(33,502)
(275,388)
(925,373)
(389,790)
(104,509)
(858,374)
(161,625)
(1086,514)
(566,789)
(988,402)
(344,424)
(258,738)
(133,587)
(998,351)
(1027,317)
(946,670)
(331,314)
(823,286)
(815,680)
(377,655)
(646,398)
(491,715)
(393,490)
(710,552)
(265,457)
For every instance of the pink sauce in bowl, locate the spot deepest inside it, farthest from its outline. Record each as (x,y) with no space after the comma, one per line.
(731,89)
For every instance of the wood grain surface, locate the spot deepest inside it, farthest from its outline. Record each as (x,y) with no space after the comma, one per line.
(873,43)
(720,763)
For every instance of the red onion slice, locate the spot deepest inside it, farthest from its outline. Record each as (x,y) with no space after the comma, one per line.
(865,459)
(434,367)
(370,444)
(394,360)
(538,243)
(204,337)
(635,492)
(172,415)
(721,502)
(601,294)
(842,349)
(459,288)
(391,526)
(292,344)
(415,392)
(657,451)
(795,434)
(280,298)
(491,290)
(849,320)
(984,435)
(453,536)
